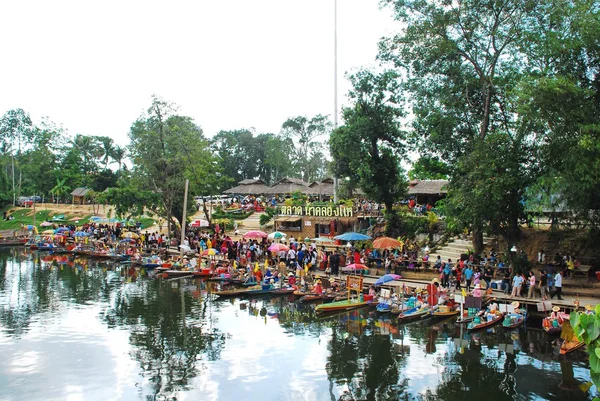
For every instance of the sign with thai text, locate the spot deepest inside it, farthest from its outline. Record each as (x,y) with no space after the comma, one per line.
(317,211)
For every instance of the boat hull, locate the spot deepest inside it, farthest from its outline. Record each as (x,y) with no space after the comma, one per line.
(484,325)
(340,306)
(570,346)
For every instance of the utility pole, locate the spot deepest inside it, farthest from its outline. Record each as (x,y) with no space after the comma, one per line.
(183,220)
(335,91)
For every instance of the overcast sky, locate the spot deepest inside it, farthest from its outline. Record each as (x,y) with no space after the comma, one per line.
(92,66)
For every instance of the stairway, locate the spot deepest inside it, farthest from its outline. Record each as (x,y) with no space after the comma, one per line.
(455,248)
(250,224)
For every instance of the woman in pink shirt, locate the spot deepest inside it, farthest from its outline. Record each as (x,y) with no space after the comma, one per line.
(531,292)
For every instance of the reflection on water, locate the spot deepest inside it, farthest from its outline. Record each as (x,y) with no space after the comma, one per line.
(93,330)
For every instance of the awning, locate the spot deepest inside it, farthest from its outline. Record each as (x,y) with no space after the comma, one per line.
(288,219)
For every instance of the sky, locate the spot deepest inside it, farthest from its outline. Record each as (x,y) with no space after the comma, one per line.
(93,66)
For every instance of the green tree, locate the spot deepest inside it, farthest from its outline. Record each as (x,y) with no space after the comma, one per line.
(472,68)
(107,149)
(365,148)
(429,168)
(166,149)
(118,155)
(60,190)
(304,133)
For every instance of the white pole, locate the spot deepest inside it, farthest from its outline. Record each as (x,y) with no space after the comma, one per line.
(335,90)
(185,193)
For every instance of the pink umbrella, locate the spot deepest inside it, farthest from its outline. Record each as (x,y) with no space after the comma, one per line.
(354,266)
(278,247)
(46,224)
(256,234)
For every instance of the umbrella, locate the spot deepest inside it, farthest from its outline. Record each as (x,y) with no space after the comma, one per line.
(128,240)
(387,278)
(277,235)
(61,229)
(278,248)
(255,234)
(46,224)
(351,236)
(307,239)
(210,252)
(199,223)
(322,239)
(386,243)
(30,227)
(48,232)
(75,218)
(185,248)
(80,234)
(354,266)
(129,234)
(95,218)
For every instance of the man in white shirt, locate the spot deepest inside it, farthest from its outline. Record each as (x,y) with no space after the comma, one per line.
(557,286)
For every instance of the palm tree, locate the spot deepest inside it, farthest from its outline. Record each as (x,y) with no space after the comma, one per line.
(118,155)
(88,147)
(108,147)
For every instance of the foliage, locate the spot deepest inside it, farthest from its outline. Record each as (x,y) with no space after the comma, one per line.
(238,214)
(266,217)
(309,158)
(587,328)
(365,148)
(429,168)
(166,149)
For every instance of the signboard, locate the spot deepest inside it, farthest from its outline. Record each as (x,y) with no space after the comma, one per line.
(307,223)
(458,299)
(318,211)
(473,302)
(354,283)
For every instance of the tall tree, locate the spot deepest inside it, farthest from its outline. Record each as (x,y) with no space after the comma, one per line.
(304,132)
(167,148)
(465,62)
(366,147)
(118,155)
(107,149)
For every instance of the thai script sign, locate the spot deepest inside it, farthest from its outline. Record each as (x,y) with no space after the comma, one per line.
(319,211)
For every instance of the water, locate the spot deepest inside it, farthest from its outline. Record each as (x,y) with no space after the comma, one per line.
(87,330)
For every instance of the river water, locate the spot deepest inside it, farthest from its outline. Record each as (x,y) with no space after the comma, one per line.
(87,330)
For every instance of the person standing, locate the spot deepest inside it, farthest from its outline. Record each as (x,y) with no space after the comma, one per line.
(468,273)
(531,291)
(543,284)
(517,282)
(446,273)
(557,286)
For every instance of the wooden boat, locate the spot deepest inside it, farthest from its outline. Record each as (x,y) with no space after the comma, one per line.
(176,273)
(315,298)
(570,346)
(283,291)
(341,305)
(384,307)
(414,314)
(488,323)
(231,293)
(101,255)
(465,319)
(513,320)
(7,243)
(443,313)
(550,327)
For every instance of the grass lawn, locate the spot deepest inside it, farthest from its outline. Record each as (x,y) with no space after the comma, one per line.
(24,216)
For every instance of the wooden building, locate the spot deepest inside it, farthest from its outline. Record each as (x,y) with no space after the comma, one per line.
(79,195)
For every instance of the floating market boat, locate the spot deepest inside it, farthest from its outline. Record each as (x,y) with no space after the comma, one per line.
(571,345)
(443,311)
(478,324)
(316,297)
(513,320)
(341,305)
(414,314)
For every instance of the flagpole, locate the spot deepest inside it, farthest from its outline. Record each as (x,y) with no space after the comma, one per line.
(335,91)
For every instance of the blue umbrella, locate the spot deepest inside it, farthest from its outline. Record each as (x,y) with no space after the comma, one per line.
(352,237)
(60,230)
(387,278)
(81,234)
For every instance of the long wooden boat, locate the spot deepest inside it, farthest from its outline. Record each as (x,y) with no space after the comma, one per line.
(444,314)
(231,293)
(473,327)
(383,307)
(340,306)
(570,346)
(414,314)
(516,320)
(7,243)
(315,298)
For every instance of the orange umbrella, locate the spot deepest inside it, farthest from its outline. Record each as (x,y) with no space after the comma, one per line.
(386,243)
